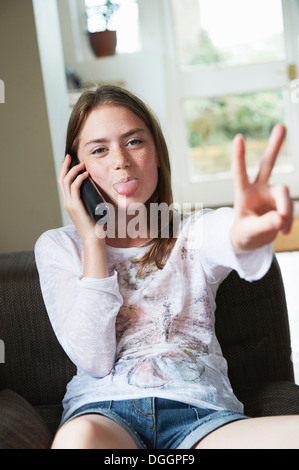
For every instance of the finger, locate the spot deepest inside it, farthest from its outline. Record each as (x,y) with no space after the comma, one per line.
(258,230)
(269,156)
(239,164)
(72,199)
(74,171)
(63,171)
(265,228)
(76,184)
(284,206)
(68,177)
(64,168)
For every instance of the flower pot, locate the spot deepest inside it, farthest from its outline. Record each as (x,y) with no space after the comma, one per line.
(103,43)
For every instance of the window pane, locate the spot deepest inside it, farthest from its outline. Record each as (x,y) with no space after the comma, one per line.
(125,21)
(232,32)
(213,123)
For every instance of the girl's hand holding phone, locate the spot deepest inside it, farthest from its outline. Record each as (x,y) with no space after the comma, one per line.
(70,181)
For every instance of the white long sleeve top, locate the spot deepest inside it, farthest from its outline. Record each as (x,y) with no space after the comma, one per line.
(132,337)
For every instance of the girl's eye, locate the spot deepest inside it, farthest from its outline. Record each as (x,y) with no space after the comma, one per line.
(135,142)
(98,151)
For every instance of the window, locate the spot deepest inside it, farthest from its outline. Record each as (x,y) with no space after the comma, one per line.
(233,32)
(212,123)
(209,69)
(124,20)
(229,63)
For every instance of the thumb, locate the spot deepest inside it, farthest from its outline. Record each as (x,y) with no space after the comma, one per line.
(268,222)
(256,231)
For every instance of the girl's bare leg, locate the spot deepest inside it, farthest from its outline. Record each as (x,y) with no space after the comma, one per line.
(281,432)
(92,431)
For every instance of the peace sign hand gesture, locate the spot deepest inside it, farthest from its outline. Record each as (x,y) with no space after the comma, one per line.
(261,210)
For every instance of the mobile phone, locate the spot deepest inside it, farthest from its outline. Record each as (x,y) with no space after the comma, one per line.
(92,199)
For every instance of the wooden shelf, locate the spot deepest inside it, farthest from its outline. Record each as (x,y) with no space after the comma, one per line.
(288,242)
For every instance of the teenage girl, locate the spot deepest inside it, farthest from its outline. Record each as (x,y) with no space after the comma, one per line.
(135,313)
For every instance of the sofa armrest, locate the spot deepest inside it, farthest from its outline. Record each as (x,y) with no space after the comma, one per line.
(21,427)
(275,398)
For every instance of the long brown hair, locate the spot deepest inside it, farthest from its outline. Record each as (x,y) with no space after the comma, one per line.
(158,251)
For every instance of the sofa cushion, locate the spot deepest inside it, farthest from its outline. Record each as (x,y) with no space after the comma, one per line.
(36,366)
(21,427)
(51,414)
(272,399)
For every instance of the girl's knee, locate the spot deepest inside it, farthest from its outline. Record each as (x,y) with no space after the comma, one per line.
(92,432)
(79,433)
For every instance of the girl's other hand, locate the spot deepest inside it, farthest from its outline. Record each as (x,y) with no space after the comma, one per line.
(261,210)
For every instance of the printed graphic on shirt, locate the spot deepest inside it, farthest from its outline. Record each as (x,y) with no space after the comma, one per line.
(167,331)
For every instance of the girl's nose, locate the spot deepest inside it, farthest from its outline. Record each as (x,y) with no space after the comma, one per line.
(120,159)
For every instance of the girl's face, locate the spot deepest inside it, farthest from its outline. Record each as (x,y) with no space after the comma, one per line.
(120,155)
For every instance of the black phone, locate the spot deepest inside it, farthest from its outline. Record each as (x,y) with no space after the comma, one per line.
(92,199)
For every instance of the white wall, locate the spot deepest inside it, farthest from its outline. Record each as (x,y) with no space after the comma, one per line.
(142,72)
(29,202)
(53,70)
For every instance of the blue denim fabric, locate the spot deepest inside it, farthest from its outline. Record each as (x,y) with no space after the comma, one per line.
(158,423)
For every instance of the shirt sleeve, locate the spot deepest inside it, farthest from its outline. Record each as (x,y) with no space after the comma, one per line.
(82,311)
(218,256)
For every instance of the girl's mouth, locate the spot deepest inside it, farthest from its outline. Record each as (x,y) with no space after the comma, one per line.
(126,186)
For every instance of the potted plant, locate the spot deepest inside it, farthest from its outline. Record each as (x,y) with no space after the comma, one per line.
(102,39)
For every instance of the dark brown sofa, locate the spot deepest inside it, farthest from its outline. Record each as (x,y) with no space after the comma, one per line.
(251,323)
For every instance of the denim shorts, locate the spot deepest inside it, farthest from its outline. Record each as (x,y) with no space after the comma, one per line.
(158,423)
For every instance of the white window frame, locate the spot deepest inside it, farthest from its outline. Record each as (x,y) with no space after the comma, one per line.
(211,81)
(134,70)
(154,74)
